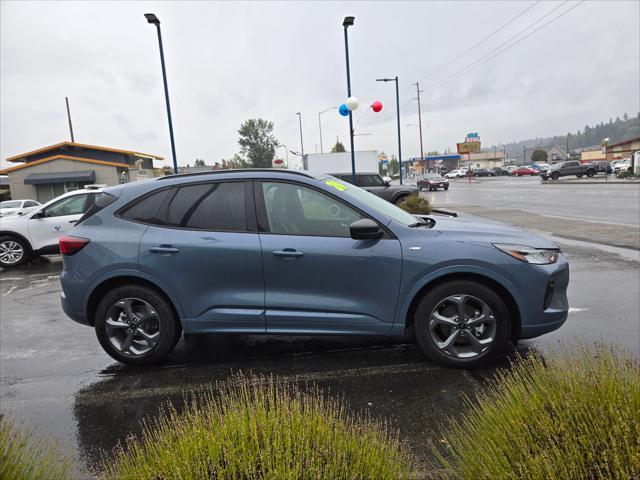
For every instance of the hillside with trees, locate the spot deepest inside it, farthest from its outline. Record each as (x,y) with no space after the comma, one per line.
(617,130)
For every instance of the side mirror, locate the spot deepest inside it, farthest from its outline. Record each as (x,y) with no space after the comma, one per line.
(39,214)
(387,183)
(365,229)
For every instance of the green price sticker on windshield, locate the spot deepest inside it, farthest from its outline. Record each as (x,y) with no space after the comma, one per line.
(336,185)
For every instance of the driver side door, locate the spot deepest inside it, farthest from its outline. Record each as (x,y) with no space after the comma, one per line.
(54,220)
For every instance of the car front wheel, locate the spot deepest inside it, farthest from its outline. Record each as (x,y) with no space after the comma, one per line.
(13,252)
(136,325)
(462,324)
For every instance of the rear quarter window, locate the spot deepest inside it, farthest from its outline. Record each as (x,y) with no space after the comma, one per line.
(148,208)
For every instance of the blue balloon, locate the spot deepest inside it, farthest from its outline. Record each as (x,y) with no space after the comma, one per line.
(344,110)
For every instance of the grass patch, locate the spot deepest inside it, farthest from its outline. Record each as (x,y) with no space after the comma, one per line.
(24,455)
(254,428)
(575,415)
(416,204)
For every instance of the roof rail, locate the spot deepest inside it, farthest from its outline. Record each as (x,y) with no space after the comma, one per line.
(238,170)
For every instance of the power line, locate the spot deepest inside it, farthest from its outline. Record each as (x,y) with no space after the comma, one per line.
(486,58)
(480,42)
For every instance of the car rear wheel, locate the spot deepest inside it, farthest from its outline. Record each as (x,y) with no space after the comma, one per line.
(555,175)
(136,325)
(591,173)
(579,175)
(13,252)
(462,324)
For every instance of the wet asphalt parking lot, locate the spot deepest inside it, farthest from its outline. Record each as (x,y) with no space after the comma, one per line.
(56,378)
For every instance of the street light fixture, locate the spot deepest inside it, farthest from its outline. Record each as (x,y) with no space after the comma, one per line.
(320,124)
(395,79)
(151,18)
(346,23)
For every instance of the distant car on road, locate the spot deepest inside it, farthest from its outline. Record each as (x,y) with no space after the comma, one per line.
(373,182)
(499,171)
(457,173)
(570,167)
(9,208)
(283,252)
(511,168)
(37,232)
(524,171)
(433,181)
(482,172)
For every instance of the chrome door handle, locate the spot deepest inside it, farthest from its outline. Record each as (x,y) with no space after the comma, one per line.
(287,252)
(164,249)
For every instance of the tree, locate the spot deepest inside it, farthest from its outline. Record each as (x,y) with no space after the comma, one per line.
(235,162)
(539,156)
(199,163)
(257,142)
(338,147)
(394,166)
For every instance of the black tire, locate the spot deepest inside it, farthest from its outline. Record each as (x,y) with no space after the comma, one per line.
(555,175)
(169,327)
(591,173)
(26,251)
(458,287)
(446,188)
(400,199)
(579,175)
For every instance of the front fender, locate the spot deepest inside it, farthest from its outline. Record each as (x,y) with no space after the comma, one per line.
(405,303)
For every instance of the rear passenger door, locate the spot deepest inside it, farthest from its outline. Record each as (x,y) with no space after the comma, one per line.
(203,245)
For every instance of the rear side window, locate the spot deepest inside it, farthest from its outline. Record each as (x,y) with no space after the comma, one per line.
(147,210)
(209,206)
(101,201)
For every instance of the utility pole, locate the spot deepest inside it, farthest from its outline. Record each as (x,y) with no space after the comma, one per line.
(301,143)
(524,155)
(420,123)
(66,99)
(348,22)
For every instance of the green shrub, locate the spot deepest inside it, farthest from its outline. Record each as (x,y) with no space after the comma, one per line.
(24,455)
(416,204)
(257,429)
(572,416)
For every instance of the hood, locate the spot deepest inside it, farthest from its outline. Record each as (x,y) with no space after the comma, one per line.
(481,230)
(6,212)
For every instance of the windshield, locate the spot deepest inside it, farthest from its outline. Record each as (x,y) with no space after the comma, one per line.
(10,204)
(433,176)
(375,203)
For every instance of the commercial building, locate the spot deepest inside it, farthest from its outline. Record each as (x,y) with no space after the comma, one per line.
(624,149)
(47,172)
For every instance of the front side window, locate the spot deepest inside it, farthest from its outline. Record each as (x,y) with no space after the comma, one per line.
(371,181)
(297,210)
(74,205)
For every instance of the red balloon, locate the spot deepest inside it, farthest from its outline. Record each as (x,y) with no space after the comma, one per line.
(376,106)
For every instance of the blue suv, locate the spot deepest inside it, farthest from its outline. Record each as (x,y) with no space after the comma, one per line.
(283,252)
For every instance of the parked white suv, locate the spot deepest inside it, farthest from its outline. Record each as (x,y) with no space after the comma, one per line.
(9,208)
(37,232)
(456,173)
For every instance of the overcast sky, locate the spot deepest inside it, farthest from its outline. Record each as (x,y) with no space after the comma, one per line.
(228,62)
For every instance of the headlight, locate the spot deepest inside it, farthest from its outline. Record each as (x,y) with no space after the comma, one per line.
(537,256)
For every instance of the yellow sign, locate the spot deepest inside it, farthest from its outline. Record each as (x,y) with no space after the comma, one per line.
(335,184)
(468,147)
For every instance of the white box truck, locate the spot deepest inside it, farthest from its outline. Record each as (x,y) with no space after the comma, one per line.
(315,163)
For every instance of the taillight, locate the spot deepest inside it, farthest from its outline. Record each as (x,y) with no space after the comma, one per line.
(71,245)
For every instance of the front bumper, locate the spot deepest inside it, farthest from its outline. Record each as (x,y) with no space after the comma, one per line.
(548,307)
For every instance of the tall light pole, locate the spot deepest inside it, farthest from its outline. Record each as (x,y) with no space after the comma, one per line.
(151,18)
(419,122)
(395,79)
(346,23)
(320,124)
(301,143)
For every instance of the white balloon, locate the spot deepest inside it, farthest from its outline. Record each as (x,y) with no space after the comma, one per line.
(352,103)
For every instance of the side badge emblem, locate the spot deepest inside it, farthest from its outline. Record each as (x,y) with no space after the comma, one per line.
(415,248)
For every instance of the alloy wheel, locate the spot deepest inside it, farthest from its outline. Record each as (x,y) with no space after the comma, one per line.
(462,326)
(132,326)
(11,252)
